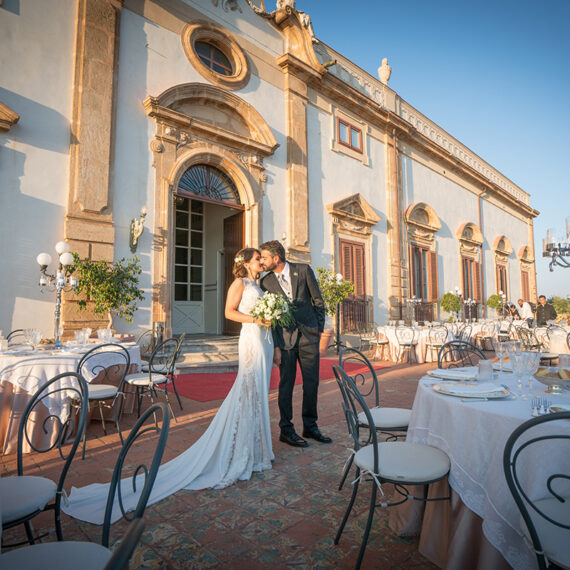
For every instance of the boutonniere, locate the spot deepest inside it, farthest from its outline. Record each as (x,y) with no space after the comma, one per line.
(295,274)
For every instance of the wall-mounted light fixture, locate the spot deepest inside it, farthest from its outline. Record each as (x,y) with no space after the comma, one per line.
(137,228)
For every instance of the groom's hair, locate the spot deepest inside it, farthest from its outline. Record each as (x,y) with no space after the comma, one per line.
(274,247)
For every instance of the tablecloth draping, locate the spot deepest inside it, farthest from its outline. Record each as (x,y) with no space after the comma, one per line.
(21,375)
(474,434)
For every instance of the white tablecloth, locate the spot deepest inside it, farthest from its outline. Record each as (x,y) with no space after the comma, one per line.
(474,434)
(31,370)
(558,344)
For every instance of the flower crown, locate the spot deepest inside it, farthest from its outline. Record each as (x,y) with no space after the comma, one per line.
(238,259)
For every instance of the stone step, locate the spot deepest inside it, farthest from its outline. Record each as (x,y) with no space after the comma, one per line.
(208,353)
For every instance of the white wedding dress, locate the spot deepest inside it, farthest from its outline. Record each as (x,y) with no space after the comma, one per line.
(236,443)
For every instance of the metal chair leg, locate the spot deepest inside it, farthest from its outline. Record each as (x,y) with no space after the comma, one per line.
(368,525)
(349,508)
(346,472)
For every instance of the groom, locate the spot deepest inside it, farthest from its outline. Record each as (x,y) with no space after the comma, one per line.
(297,343)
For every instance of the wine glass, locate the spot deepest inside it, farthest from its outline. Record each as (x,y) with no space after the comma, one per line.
(519,368)
(500,350)
(35,338)
(532,364)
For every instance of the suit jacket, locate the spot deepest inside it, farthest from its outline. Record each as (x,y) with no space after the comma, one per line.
(308,306)
(544,313)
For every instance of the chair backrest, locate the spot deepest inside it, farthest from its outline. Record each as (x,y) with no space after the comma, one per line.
(354,404)
(568,340)
(122,554)
(535,443)
(459,353)
(405,335)
(464,333)
(364,376)
(143,476)
(438,334)
(147,343)
(105,363)
(163,357)
(488,329)
(60,430)
(16,336)
(554,329)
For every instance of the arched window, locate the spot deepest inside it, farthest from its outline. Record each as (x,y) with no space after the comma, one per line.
(213,58)
(209,182)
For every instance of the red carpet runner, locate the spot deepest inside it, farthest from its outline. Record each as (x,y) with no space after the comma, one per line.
(208,387)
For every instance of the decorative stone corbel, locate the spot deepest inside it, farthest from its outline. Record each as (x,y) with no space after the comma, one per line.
(8,118)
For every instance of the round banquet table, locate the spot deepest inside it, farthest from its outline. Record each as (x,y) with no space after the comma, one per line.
(22,374)
(558,343)
(479,527)
(421,338)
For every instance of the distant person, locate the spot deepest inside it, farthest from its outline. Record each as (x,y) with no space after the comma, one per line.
(513,313)
(526,312)
(544,312)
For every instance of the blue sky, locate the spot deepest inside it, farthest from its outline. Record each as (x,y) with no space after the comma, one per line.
(495,74)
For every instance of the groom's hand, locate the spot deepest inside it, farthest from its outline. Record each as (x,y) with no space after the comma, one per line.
(277,356)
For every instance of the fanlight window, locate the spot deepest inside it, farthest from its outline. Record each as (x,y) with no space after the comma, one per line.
(207,181)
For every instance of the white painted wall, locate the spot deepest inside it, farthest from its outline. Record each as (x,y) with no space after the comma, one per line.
(497,222)
(334,176)
(37,45)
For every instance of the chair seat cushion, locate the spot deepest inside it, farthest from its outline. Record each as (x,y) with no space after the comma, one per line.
(387,418)
(101,391)
(380,341)
(554,539)
(60,555)
(23,495)
(435,343)
(144,379)
(404,462)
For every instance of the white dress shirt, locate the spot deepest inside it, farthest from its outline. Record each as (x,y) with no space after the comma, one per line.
(286,286)
(526,311)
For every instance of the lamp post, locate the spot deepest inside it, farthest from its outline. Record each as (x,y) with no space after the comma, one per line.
(557,250)
(468,305)
(458,293)
(504,309)
(63,280)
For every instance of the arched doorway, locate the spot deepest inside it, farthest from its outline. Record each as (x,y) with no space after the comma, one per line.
(208,229)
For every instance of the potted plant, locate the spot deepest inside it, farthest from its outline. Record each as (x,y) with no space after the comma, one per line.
(334,290)
(451,303)
(495,302)
(111,288)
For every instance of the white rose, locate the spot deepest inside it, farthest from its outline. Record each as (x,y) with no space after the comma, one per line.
(339,278)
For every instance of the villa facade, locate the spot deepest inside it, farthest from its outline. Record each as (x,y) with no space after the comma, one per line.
(232,125)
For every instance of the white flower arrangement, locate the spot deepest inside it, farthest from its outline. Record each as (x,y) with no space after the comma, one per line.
(274,308)
(238,259)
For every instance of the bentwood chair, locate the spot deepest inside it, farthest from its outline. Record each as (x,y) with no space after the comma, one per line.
(70,555)
(159,372)
(437,337)
(544,505)
(392,422)
(459,353)
(22,496)
(17,336)
(407,341)
(400,463)
(105,363)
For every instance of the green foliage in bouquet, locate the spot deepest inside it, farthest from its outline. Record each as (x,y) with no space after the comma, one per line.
(495,302)
(334,289)
(274,308)
(451,303)
(111,287)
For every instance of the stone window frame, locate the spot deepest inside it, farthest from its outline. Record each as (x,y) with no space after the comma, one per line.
(220,38)
(470,243)
(338,146)
(526,263)
(502,248)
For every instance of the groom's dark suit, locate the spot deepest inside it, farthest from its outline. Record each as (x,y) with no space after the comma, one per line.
(300,342)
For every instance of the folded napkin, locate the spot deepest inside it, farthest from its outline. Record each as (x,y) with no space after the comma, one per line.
(479,389)
(466,373)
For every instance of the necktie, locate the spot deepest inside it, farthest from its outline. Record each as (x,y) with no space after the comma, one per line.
(284,285)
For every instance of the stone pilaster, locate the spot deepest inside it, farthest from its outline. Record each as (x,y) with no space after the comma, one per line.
(397,278)
(89,220)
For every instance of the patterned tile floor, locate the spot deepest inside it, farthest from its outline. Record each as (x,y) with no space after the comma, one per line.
(283,518)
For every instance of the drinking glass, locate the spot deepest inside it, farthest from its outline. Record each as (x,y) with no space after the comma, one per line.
(35,337)
(519,368)
(532,364)
(500,351)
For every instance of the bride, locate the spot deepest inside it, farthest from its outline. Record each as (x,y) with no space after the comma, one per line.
(238,441)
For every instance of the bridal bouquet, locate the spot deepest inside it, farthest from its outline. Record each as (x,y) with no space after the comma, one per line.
(274,308)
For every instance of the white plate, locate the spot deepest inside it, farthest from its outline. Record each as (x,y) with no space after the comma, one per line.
(472,390)
(560,408)
(466,373)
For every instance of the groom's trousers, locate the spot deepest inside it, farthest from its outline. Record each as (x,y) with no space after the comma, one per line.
(307,354)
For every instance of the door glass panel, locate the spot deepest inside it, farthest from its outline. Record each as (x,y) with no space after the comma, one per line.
(195,292)
(181,274)
(196,239)
(181,237)
(196,275)
(196,256)
(181,219)
(180,292)
(181,256)
(197,221)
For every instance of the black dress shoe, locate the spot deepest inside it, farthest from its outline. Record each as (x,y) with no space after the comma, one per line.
(316,434)
(293,439)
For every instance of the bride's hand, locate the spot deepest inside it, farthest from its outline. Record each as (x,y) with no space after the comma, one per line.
(277,356)
(262,322)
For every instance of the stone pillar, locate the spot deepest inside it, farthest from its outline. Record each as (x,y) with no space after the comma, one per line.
(89,221)
(397,278)
(532,273)
(297,173)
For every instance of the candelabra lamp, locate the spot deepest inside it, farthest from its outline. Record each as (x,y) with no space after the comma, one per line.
(505,307)
(470,308)
(557,250)
(413,302)
(63,280)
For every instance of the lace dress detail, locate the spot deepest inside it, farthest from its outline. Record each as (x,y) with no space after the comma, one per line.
(236,443)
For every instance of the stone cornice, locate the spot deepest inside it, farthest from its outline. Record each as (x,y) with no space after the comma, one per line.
(292,64)
(206,130)
(8,118)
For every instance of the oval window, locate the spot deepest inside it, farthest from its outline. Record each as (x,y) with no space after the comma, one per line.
(213,58)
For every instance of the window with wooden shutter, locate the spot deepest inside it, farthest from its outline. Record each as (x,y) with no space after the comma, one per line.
(477,282)
(502,283)
(352,264)
(433,281)
(525,285)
